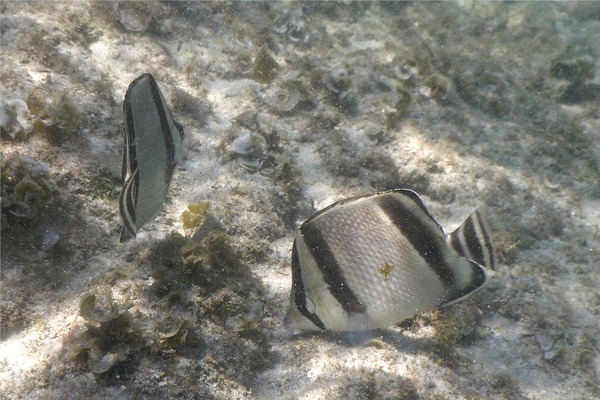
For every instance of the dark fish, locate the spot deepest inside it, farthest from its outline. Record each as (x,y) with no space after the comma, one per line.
(153,147)
(367,262)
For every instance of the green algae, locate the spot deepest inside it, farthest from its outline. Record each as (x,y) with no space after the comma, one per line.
(26,187)
(195,215)
(111,334)
(264,69)
(56,115)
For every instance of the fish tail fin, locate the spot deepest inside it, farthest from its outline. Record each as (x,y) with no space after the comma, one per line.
(472,240)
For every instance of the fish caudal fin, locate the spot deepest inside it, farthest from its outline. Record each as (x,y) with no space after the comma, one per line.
(472,240)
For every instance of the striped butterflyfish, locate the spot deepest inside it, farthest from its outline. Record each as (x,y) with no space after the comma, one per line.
(366,262)
(153,147)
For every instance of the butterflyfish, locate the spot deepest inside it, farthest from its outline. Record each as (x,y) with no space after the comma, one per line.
(367,262)
(152,149)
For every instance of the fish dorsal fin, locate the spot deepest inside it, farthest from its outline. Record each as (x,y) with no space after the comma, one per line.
(472,240)
(411,194)
(417,200)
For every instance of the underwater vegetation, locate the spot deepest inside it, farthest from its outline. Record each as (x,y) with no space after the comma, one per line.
(110,335)
(15,119)
(264,68)
(254,144)
(290,23)
(134,16)
(55,114)
(452,328)
(437,87)
(339,87)
(483,89)
(577,68)
(210,277)
(249,149)
(42,109)
(377,385)
(26,188)
(565,346)
(204,303)
(194,216)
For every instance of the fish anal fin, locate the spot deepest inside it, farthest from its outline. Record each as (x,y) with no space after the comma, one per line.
(125,235)
(473,277)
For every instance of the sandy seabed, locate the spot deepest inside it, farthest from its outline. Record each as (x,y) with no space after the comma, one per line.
(466,103)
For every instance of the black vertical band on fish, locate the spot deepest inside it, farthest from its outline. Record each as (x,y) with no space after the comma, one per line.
(474,250)
(418,231)
(333,276)
(299,293)
(127,208)
(489,258)
(152,148)
(366,262)
(472,241)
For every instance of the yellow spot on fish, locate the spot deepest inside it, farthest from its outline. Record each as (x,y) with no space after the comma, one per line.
(386,270)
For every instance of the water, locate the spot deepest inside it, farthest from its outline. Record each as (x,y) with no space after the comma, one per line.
(469,104)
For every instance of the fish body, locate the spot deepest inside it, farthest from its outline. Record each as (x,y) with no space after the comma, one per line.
(366,262)
(152,149)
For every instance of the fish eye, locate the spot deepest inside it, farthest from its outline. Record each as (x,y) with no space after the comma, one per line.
(310,306)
